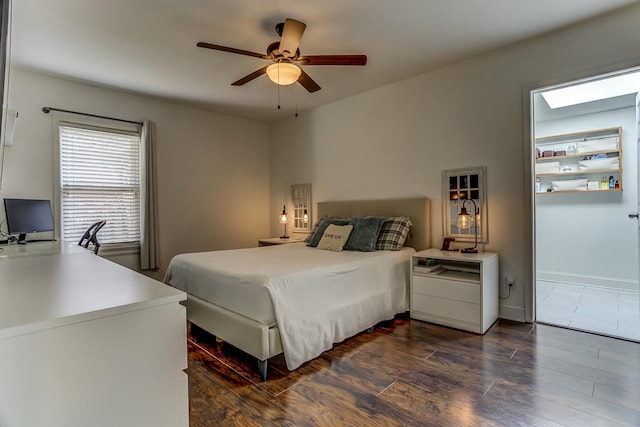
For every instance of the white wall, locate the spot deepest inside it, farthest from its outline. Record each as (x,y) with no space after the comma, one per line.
(212,169)
(396,140)
(587,238)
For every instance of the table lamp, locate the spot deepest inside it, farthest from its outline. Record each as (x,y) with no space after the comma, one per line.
(283,220)
(465,221)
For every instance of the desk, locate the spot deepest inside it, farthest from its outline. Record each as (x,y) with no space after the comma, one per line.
(84,341)
(39,248)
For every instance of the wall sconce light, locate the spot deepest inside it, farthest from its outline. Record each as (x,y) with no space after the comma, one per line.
(283,220)
(283,73)
(465,221)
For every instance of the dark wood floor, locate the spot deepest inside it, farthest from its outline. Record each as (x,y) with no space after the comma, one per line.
(411,373)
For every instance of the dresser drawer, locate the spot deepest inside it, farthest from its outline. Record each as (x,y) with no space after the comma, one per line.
(448,289)
(441,307)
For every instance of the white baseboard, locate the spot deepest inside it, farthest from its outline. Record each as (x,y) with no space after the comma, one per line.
(509,312)
(593,281)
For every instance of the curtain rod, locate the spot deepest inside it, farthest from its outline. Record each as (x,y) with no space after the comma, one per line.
(47,110)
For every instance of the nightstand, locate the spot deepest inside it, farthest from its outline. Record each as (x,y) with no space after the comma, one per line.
(279,241)
(455,289)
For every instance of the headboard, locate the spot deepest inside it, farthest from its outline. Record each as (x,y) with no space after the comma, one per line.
(417,209)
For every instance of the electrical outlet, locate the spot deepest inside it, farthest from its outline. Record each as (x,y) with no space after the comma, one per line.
(509,283)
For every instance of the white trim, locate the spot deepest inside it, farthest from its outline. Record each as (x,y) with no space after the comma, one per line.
(115,249)
(591,281)
(509,312)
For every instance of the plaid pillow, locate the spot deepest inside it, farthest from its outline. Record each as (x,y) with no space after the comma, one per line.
(393,234)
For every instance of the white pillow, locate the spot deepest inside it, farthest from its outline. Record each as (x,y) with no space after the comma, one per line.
(334,237)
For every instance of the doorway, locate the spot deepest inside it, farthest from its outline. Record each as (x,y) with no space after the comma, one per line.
(585,137)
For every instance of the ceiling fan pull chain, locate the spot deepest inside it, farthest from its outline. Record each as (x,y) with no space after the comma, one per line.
(278,96)
(295,91)
(278,86)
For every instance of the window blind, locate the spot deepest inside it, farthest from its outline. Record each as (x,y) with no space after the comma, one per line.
(100,180)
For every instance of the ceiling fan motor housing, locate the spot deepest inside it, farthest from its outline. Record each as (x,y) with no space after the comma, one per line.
(274,50)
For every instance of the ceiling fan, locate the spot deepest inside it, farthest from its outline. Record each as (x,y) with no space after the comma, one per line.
(286,58)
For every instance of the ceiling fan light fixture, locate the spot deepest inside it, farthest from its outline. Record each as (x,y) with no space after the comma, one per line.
(283,73)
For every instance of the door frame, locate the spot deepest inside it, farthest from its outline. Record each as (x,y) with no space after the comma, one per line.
(529,236)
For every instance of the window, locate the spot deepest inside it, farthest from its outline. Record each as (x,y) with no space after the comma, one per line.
(457,186)
(99,180)
(301,195)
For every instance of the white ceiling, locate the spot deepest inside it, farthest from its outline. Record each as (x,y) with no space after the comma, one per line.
(149,46)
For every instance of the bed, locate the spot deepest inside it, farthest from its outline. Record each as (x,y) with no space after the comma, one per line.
(298,300)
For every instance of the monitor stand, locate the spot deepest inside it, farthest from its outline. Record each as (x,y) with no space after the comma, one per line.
(22,239)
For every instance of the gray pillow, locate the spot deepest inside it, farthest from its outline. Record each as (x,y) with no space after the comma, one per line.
(313,231)
(365,233)
(317,235)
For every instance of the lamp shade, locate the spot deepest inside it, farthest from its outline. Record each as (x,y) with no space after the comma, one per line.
(283,73)
(464,220)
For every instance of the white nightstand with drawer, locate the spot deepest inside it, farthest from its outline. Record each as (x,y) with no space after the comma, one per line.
(460,291)
(272,241)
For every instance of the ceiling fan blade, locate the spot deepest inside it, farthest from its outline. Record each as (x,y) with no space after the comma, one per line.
(248,78)
(291,35)
(232,50)
(333,60)
(307,82)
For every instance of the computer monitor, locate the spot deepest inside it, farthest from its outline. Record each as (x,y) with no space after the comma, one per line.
(28,216)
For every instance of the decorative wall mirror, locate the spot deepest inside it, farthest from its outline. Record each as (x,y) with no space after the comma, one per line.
(301,197)
(459,185)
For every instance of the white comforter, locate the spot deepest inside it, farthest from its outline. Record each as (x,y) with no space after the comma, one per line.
(319,297)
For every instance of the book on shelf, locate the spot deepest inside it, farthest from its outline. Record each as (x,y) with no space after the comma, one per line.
(427,268)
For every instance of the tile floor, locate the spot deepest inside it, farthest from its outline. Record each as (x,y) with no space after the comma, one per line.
(608,312)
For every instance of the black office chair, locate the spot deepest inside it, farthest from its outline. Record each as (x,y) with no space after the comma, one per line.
(90,236)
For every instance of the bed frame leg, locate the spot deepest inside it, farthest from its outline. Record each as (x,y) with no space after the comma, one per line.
(262,368)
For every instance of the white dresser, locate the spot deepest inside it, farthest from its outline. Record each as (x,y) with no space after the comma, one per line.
(460,291)
(86,342)
(272,241)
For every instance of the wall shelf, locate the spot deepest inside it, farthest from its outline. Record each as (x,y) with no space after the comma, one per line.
(582,172)
(578,191)
(570,172)
(577,155)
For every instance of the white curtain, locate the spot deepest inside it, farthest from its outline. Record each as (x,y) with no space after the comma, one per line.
(148,225)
